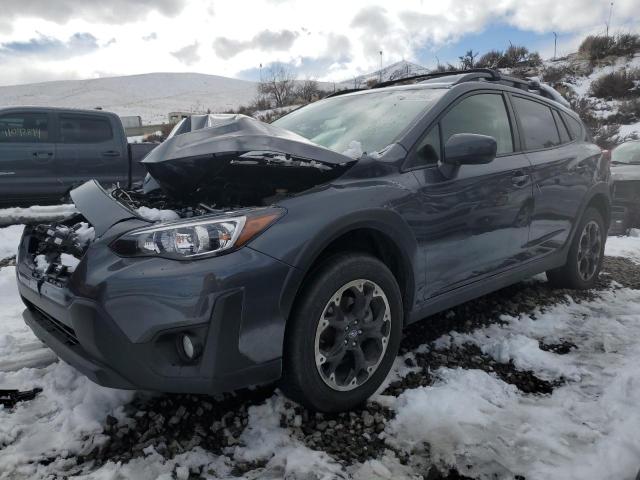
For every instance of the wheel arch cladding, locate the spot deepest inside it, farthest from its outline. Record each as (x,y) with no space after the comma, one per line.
(384,235)
(600,202)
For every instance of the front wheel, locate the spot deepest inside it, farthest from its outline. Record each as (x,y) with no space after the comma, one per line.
(344,334)
(585,255)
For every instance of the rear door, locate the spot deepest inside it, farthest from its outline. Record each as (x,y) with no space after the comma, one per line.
(475,224)
(27,156)
(89,148)
(563,166)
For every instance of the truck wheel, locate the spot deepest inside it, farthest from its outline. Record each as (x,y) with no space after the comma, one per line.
(585,254)
(343,335)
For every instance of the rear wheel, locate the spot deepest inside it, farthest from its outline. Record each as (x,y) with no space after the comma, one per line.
(585,254)
(344,333)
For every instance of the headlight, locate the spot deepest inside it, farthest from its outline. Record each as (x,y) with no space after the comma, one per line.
(196,238)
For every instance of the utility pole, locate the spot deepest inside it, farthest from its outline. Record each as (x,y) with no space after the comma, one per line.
(380,66)
(609,21)
(260,73)
(555,44)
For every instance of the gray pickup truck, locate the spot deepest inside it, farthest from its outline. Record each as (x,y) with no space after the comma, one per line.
(46,152)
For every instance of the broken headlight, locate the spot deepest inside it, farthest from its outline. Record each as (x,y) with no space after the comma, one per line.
(196,238)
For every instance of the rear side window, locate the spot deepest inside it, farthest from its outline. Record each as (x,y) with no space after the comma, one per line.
(84,129)
(564,133)
(538,127)
(24,128)
(483,114)
(575,128)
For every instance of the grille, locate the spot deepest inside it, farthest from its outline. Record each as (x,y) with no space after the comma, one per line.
(68,332)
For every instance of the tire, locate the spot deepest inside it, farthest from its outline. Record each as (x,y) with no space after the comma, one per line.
(585,256)
(335,296)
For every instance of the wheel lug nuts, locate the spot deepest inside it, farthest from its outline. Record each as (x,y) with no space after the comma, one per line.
(346,341)
(359,332)
(353,344)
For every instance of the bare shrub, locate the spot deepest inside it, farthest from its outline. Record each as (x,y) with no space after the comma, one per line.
(307,90)
(620,84)
(278,84)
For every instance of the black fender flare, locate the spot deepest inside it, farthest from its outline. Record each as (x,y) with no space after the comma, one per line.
(384,221)
(601,189)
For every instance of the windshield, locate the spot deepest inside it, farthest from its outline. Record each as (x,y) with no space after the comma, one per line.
(373,120)
(628,152)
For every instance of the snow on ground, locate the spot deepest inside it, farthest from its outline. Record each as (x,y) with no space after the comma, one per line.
(9,239)
(587,428)
(36,213)
(65,418)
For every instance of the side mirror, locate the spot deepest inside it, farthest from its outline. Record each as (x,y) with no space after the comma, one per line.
(469,149)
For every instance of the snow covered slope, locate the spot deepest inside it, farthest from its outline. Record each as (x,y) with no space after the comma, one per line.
(152,96)
(600,114)
(391,72)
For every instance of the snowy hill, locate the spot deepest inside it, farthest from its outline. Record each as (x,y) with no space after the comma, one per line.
(612,118)
(391,72)
(152,96)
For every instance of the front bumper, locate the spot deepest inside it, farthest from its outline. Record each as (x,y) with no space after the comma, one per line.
(116,319)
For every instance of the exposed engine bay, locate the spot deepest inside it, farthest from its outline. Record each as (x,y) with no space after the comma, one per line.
(238,161)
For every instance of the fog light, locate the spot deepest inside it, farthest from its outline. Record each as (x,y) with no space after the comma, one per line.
(188,347)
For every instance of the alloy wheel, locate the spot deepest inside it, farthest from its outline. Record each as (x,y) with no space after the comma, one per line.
(589,250)
(352,335)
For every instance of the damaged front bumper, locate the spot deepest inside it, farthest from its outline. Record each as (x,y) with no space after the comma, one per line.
(117,319)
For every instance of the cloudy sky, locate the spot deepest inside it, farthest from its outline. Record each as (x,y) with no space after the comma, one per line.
(44,40)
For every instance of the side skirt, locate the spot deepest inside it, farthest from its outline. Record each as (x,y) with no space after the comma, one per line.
(487,285)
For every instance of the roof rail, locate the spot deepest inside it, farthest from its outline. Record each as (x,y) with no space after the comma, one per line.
(488,73)
(531,85)
(344,92)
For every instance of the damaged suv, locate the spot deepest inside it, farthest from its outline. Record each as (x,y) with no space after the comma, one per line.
(297,251)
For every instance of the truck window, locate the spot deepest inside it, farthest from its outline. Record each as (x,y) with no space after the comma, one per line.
(84,129)
(24,127)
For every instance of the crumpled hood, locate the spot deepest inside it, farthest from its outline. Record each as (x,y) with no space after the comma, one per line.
(625,172)
(236,153)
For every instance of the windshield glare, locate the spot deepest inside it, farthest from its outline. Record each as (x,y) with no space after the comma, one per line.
(374,119)
(626,153)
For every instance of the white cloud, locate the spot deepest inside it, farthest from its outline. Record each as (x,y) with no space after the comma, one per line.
(338,39)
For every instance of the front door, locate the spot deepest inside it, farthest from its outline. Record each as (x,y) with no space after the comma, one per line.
(27,156)
(474,223)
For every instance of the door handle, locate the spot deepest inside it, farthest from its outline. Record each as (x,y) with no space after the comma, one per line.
(110,153)
(520,179)
(42,155)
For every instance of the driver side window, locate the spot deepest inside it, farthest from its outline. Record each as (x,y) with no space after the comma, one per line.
(483,114)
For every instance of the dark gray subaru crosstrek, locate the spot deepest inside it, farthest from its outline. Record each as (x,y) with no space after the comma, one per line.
(298,251)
